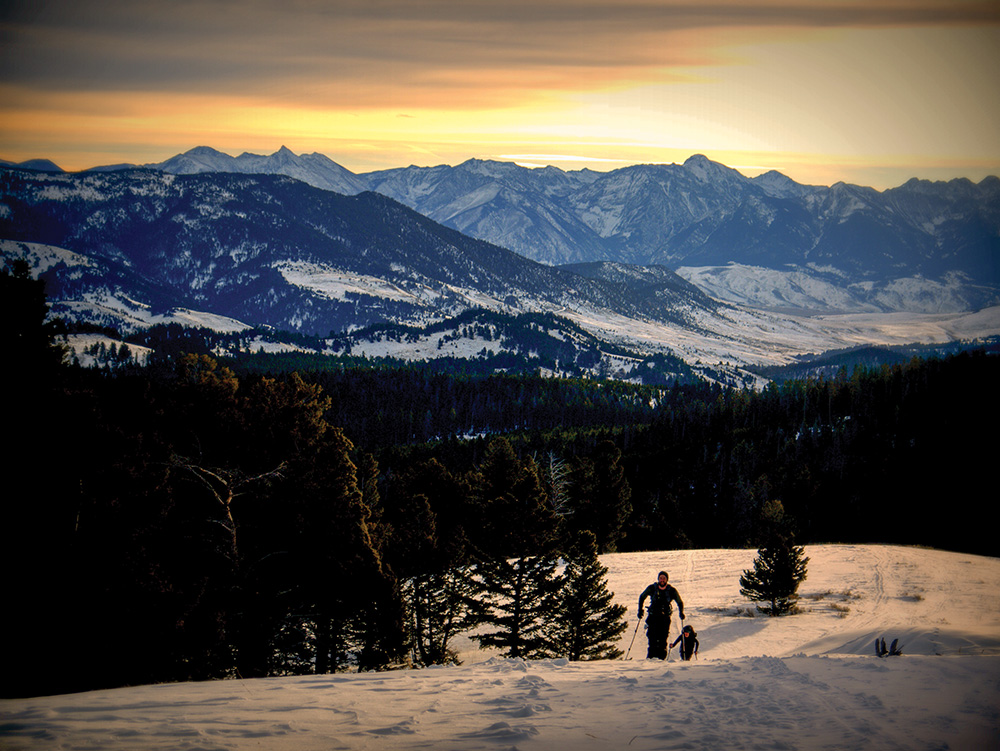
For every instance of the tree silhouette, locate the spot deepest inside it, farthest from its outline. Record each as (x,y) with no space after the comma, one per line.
(589,622)
(778,569)
(519,601)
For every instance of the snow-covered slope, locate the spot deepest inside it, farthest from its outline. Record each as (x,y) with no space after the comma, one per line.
(105,293)
(809,290)
(809,681)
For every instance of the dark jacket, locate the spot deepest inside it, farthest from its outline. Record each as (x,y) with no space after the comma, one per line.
(659,601)
(688,642)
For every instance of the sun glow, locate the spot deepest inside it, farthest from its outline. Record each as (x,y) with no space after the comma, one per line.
(821,91)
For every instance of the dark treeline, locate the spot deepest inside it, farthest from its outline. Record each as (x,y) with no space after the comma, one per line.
(388,407)
(195,527)
(191,521)
(856,457)
(184,522)
(194,524)
(898,454)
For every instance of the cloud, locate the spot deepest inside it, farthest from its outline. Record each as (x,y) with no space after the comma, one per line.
(404,52)
(94,81)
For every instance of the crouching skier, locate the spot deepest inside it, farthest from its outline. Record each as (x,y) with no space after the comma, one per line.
(658,622)
(688,641)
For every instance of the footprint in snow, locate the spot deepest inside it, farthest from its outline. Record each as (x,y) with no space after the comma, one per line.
(504,731)
(400,728)
(533,681)
(516,707)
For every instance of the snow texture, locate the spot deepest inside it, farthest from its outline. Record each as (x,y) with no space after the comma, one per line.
(808,681)
(813,291)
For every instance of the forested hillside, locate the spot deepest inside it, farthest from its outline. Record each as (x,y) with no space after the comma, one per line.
(248,523)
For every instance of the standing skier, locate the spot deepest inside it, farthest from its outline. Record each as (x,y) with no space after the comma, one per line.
(658,622)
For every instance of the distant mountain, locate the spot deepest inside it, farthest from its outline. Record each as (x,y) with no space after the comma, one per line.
(268,249)
(315,169)
(526,210)
(702,215)
(765,241)
(38,165)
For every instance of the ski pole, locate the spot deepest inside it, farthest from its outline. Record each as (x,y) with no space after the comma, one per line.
(629,651)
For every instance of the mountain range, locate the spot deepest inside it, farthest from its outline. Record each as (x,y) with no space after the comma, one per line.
(921,247)
(121,247)
(692,259)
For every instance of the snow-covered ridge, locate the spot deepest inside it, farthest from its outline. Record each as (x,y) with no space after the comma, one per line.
(41,257)
(694,214)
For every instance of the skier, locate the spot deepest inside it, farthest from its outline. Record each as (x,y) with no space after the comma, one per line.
(688,641)
(658,622)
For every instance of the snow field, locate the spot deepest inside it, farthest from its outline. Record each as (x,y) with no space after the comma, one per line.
(810,681)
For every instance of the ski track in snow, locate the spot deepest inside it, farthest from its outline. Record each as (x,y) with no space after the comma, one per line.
(810,681)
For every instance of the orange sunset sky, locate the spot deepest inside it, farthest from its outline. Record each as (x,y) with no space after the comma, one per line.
(870,92)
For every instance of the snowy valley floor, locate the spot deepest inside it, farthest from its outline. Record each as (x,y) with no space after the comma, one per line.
(810,681)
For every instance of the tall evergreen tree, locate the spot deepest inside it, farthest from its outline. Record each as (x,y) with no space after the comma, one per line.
(778,569)
(28,339)
(427,553)
(517,518)
(589,622)
(40,507)
(518,571)
(347,587)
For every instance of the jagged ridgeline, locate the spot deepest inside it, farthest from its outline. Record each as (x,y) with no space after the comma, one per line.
(692,214)
(766,241)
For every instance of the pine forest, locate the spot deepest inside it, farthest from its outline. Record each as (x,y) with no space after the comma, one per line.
(265,517)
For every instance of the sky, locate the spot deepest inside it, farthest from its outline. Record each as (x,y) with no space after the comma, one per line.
(871,92)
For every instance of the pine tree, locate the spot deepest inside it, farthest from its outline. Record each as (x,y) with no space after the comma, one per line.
(516,517)
(518,564)
(780,565)
(614,496)
(589,621)
(519,601)
(440,606)
(426,551)
(777,572)
(28,339)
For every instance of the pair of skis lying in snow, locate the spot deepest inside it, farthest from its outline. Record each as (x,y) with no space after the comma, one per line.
(893,651)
